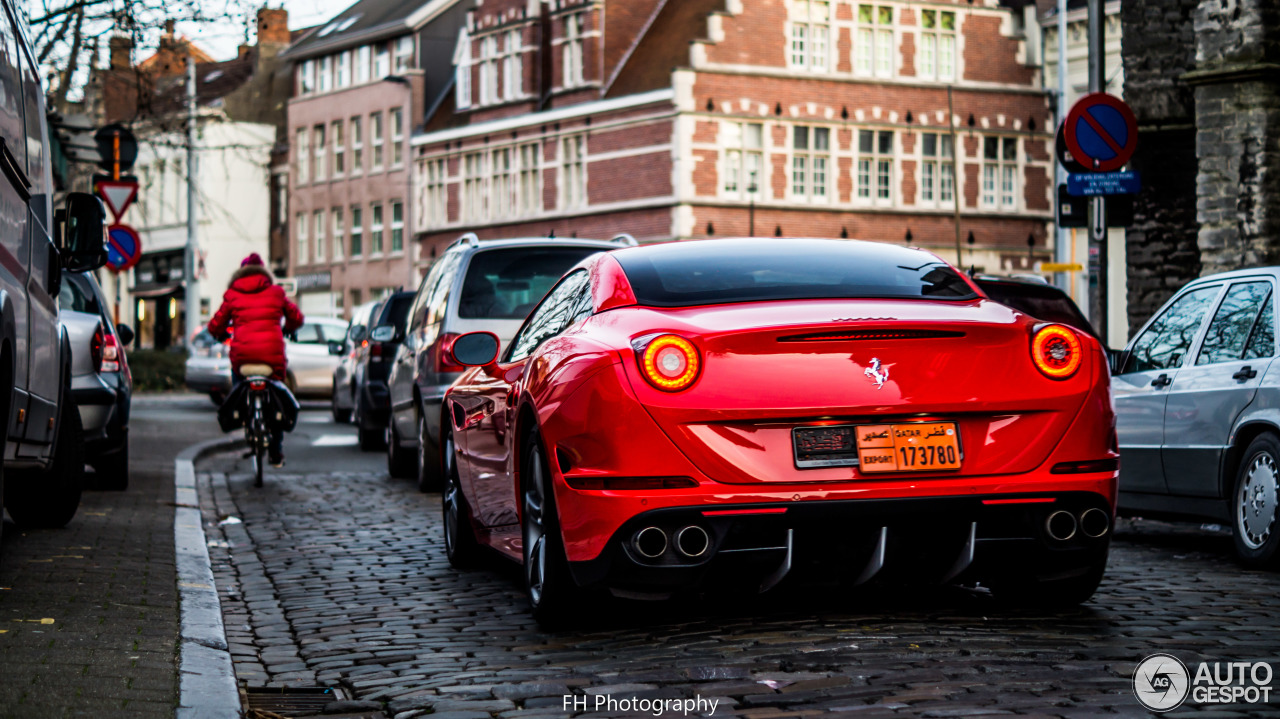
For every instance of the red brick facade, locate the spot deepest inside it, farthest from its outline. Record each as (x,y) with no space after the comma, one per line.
(836,113)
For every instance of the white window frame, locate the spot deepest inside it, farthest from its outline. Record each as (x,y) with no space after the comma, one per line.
(810,164)
(512,66)
(396,117)
(501,167)
(573,72)
(875,42)
(809,46)
(357,231)
(435,193)
(744,160)
(377,242)
(1001,174)
(875,170)
(489,90)
(937,177)
(530,192)
(357,145)
(475,176)
(326,74)
(402,57)
(363,64)
(321,153)
(339,232)
(462,63)
(376,142)
(338,136)
(302,249)
(302,152)
(573,172)
(936,56)
(343,74)
(317,221)
(307,77)
(381,61)
(397,227)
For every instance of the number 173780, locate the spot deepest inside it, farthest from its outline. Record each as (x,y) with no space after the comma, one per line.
(915,447)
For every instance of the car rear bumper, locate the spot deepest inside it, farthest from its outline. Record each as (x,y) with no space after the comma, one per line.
(753,546)
(104,412)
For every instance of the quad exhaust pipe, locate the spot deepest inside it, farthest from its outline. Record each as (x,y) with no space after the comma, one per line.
(1061,525)
(693,541)
(650,542)
(1094,523)
(690,542)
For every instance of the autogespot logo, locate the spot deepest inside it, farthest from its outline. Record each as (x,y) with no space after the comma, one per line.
(1161,682)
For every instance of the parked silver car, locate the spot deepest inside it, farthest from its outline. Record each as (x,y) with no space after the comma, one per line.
(344,398)
(474,285)
(100,379)
(311,361)
(1198,410)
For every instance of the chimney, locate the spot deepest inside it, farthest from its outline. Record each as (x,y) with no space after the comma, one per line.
(121,48)
(273,26)
(168,27)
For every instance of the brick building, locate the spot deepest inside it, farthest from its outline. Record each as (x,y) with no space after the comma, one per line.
(673,120)
(362,83)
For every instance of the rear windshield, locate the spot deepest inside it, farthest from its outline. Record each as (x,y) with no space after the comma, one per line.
(719,271)
(396,310)
(508,283)
(1042,302)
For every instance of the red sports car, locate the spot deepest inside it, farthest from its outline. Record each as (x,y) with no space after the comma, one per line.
(740,412)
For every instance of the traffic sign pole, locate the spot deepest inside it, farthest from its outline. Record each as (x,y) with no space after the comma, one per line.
(1098,225)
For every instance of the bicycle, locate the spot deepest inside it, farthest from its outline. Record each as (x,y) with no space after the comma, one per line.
(256,431)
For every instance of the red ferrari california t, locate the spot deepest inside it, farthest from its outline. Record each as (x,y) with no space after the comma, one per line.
(743,412)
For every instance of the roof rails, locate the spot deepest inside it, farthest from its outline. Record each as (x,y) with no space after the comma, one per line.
(624,239)
(469,238)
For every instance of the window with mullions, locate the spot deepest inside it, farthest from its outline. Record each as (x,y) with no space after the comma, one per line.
(339,148)
(530,178)
(743,158)
(875,166)
(810,35)
(435,194)
(339,231)
(937,45)
(810,160)
(937,181)
(317,134)
(873,41)
(474,186)
(574,27)
(501,183)
(573,172)
(512,66)
(489,91)
(304,253)
(357,231)
(1000,172)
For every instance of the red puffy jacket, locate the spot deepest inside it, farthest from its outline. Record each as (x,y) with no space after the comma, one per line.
(253,306)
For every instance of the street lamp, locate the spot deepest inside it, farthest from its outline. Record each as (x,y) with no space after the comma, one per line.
(751,205)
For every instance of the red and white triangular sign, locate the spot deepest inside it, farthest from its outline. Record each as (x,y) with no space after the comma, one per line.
(118,195)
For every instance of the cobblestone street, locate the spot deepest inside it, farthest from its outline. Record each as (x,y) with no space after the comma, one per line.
(339,579)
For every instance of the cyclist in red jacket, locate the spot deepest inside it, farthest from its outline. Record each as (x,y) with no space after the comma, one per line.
(255,306)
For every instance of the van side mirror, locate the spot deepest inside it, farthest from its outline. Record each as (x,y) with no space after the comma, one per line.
(82,238)
(125,333)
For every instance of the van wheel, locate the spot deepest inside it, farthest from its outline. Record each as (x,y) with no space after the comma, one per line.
(50,498)
(1255,504)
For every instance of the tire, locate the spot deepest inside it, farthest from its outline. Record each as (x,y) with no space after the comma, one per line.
(460,545)
(46,499)
(341,416)
(1255,504)
(1053,594)
(431,472)
(371,440)
(113,470)
(554,597)
(217,397)
(400,464)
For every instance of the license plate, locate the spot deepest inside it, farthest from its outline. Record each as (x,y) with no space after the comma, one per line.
(913,447)
(825,446)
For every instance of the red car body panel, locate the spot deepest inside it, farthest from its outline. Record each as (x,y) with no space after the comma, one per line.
(730,432)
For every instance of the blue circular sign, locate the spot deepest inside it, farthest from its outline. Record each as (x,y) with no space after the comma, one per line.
(1101,132)
(124,248)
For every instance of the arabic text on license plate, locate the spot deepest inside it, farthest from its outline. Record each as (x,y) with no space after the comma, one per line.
(916,447)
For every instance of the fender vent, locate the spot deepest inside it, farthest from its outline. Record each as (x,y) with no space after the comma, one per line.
(858,335)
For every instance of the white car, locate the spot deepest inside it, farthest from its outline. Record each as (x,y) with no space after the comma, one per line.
(310,356)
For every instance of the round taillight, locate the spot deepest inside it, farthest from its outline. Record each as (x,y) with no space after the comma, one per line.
(1056,351)
(670,363)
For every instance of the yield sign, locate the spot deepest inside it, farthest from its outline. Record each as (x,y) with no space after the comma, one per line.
(118,194)
(1101,132)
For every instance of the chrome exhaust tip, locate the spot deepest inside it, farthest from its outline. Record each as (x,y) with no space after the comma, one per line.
(693,541)
(650,542)
(1061,525)
(1094,523)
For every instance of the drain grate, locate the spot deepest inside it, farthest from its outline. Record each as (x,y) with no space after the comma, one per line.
(290,701)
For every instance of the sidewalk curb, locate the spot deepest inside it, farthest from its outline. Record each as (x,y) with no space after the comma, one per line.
(207,685)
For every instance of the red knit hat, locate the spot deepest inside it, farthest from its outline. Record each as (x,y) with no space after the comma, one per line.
(252,259)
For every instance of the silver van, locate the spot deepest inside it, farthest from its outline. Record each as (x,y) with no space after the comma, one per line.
(474,285)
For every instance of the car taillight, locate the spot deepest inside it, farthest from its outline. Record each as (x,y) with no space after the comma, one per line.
(375,352)
(110,354)
(445,361)
(1056,351)
(668,362)
(95,348)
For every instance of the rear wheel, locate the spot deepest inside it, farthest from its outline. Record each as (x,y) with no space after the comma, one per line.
(552,593)
(50,498)
(429,458)
(340,415)
(1255,503)
(400,464)
(113,469)
(460,543)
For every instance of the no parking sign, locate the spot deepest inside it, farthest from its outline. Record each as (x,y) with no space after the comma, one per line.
(1101,132)
(124,248)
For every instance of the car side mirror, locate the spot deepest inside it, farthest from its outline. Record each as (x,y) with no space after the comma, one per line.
(383,333)
(335,347)
(476,349)
(125,334)
(82,237)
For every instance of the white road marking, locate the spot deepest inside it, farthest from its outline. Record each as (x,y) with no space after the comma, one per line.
(335,440)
